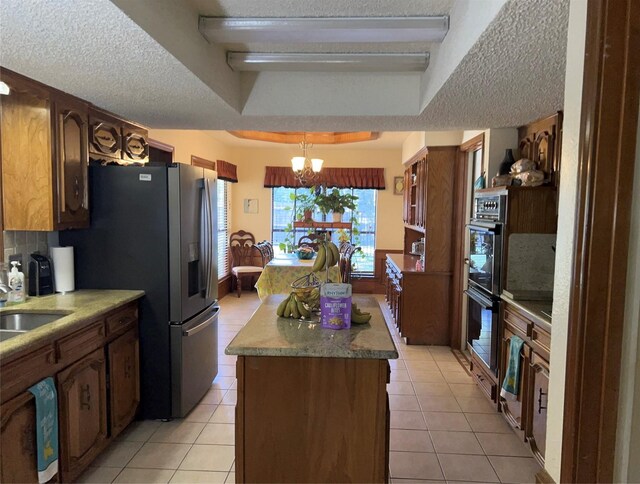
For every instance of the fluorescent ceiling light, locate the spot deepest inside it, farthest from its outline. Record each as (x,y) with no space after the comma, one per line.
(4,88)
(333,30)
(253,61)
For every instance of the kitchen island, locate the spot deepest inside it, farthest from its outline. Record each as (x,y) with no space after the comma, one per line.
(312,402)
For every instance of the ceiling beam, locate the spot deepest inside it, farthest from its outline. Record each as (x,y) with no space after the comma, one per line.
(328,30)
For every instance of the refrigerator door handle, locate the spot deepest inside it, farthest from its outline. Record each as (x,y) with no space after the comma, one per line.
(212,203)
(207,237)
(204,221)
(208,322)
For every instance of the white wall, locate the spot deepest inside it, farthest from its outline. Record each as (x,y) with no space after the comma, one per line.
(566,236)
(627,464)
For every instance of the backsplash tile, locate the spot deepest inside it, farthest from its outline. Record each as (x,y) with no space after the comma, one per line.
(25,243)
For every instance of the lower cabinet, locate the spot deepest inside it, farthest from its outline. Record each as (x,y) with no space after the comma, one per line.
(97,380)
(18,440)
(125,383)
(536,431)
(418,301)
(529,412)
(82,397)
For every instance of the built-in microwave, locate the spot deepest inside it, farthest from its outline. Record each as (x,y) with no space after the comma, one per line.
(485,256)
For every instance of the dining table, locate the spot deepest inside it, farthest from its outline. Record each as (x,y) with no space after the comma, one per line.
(283,269)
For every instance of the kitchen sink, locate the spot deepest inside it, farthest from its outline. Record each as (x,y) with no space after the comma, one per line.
(5,334)
(21,322)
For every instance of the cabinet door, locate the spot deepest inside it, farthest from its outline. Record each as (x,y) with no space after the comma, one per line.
(406,210)
(105,139)
(537,421)
(544,151)
(421,202)
(135,147)
(124,381)
(82,396)
(18,456)
(514,410)
(71,128)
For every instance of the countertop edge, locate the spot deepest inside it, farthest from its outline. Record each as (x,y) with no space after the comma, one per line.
(47,334)
(360,355)
(537,319)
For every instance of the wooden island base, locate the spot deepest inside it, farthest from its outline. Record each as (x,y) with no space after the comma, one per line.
(312,419)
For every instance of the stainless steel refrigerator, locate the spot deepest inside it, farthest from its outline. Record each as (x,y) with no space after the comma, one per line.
(154,228)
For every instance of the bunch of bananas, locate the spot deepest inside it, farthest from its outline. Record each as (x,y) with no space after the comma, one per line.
(292,307)
(357,316)
(328,256)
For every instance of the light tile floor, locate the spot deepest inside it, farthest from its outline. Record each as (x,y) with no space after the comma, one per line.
(442,427)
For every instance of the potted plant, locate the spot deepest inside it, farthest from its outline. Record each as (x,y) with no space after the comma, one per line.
(335,202)
(305,205)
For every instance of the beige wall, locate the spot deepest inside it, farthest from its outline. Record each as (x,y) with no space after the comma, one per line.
(251,170)
(419,139)
(192,142)
(566,236)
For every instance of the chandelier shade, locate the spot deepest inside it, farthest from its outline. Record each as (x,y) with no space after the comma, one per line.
(306,170)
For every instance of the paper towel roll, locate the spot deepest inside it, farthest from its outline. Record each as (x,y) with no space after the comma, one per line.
(62,258)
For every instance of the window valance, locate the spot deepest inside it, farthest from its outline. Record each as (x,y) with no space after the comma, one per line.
(282,176)
(227,171)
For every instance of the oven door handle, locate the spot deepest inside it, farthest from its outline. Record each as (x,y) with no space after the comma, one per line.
(482,225)
(480,299)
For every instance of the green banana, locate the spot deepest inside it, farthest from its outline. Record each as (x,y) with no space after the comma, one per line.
(321,258)
(294,308)
(360,318)
(282,306)
(303,311)
(335,253)
(288,310)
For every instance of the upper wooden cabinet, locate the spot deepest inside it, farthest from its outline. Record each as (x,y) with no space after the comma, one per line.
(114,140)
(428,204)
(72,157)
(44,158)
(540,141)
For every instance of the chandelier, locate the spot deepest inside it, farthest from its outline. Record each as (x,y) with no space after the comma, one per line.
(306,170)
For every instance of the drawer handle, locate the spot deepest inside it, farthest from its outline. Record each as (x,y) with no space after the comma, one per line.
(541,394)
(85,397)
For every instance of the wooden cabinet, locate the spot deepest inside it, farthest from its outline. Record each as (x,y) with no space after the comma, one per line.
(115,140)
(96,368)
(333,426)
(540,141)
(44,158)
(536,430)
(528,413)
(72,155)
(124,375)
(418,301)
(18,457)
(82,397)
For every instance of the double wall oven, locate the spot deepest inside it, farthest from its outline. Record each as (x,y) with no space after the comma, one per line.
(486,240)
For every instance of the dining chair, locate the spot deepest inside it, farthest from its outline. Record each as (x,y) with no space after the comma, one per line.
(312,240)
(246,258)
(346,253)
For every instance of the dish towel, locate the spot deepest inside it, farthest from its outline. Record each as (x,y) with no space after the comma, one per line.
(511,383)
(46,428)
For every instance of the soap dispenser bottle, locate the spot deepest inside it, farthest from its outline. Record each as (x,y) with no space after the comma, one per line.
(16,283)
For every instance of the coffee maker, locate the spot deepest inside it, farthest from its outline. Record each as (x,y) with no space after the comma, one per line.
(40,275)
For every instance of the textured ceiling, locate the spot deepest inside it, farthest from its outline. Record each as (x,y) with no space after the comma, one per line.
(156,71)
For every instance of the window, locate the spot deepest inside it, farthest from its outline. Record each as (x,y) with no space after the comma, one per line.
(224,215)
(362,235)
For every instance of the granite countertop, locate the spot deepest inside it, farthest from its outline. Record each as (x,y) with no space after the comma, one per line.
(75,308)
(534,309)
(409,264)
(268,335)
